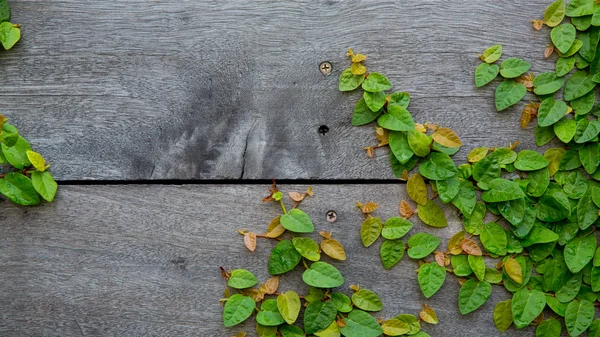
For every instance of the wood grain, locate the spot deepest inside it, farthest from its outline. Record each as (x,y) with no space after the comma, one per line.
(188,89)
(144,260)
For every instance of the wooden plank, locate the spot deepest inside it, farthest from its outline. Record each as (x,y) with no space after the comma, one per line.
(144,260)
(188,89)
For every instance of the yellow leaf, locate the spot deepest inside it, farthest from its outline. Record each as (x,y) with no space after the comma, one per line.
(471,247)
(370,151)
(446,137)
(405,210)
(513,270)
(275,229)
(354,287)
(514,145)
(37,161)
(404,175)
(420,127)
(358,58)
(382,135)
(227,292)
(358,69)
(428,315)
(455,243)
(309,191)
(240,334)
(250,241)
(333,249)
(554,156)
(256,294)
(369,207)
(417,190)
(477,154)
(350,52)
(326,235)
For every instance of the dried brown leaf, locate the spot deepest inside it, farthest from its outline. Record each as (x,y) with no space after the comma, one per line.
(296,196)
(537,24)
(548,51)
(370,151)
(369,207)
(250,241)
(405,210)
(271,285)
(471,247)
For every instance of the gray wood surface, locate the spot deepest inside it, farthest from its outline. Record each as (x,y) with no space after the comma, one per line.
(144,260)
(188,89)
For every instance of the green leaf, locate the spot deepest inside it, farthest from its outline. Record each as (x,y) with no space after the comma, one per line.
(391,253)
(539,234)
(492,276)
(361,324)
(400,148)
(394,327)
(577,44)
(579,316)
(477,265)
(396,227)
(431,278)
(422,244)
(376,82)
(297,221)
(551,111)
(509,93)
(375,100)
(579,84)
(17,154)
(44,184)
(237,309)
(569,161)
(503,315)
(349,81)
(526,306)
(582,22)
(553,206)
(242,279)
(564,65)
(586,131)
(547,83)
(292,331)
(370,231)
(579,252)
(319,315)
(594,330)
(486,170)
(466,199)
(401,99)
(492,54)
(448,189)
(494,239)
(437,166)
(474,223)
(581,7)
(575,185)
(563,36)
(341,301)
(502,190)
(514,67)
(584,104)
(19,189)
(472,295)
(396,119)
(284,257)
(528,160)
(589,157)
(549,328)
(308,248)
(322,275)
(289,306)
(399,168)
(513,210)
(460,265)
(538,182)
(419,143)
(485,73)
(555,13)
(363,115)
(570,289)
(565,129)
(432,214)
(367,300)
(269,314)
(556,306)
(4,11)
(9,34)
(543,135)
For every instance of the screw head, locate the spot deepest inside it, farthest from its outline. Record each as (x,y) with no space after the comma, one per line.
(331,216)
(325,68)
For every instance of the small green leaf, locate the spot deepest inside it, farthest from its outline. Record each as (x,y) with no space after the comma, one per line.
(322,275)
(341,301)
(297,221)
(526,306)
(376,82)
(472,295)
(284,257)
(555,13)
(565,129)
(400,98)
(308,248)
(586,131)
(367,300)
(319,315)
(349,81)
(363,115)
(578,8)
(19,189)
(375,100)
(292,331)
(579,84)
(509,93)
(4,11)
(549,328)
(579,252)
(466,199)
(547,83)
(579,316)
(503,315)
(370,230)
(485,73)
(432,214)
(502,190)
(528,160)
(394,327)
(396,119)
(44,184)
(589,157)
(391,253)
(241,279)
(9,34)
(396,227)
(492,54)
(269,314)
(563,36)
(431,278)
(494,239)
(237,309)
(361,324)
(514,67)
(437,166)
(422,244)
(564,65)
(551,111)
(17,154)
(419,143)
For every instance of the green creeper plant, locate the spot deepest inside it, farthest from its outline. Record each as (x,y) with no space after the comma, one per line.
(29,178)
(327,312)
(10,33)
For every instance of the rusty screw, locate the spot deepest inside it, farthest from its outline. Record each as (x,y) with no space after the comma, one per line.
(325,68)
(331,216)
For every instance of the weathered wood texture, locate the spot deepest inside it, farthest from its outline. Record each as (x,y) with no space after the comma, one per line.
(188,89)
(144,260)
